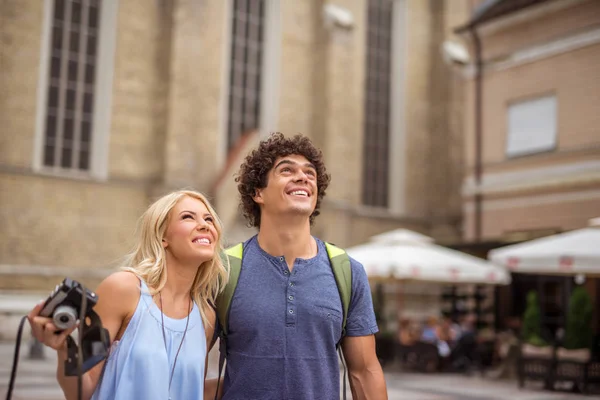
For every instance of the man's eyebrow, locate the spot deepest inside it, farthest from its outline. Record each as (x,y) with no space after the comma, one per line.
(290,162)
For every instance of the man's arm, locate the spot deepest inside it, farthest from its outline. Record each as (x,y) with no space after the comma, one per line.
(364,370)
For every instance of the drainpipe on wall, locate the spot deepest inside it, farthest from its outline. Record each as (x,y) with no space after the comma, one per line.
(478,169)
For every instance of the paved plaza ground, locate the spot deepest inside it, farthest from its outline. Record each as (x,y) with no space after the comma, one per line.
(36,380)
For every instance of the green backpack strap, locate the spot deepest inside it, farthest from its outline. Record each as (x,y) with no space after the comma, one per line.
(340,263)
(234,255)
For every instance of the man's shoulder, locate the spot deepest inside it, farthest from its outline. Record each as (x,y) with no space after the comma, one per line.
(355,265)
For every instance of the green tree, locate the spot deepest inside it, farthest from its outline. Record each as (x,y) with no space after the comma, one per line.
(578,332)
(532,322)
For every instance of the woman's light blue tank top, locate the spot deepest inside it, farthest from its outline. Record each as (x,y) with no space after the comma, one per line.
(139,366)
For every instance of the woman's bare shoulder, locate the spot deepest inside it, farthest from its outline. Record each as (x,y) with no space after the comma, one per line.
(119,288)
(121,281)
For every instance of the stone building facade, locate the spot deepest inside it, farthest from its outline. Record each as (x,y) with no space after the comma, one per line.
(107,104)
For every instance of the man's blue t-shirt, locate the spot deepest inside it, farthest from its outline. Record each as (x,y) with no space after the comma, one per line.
(284,327)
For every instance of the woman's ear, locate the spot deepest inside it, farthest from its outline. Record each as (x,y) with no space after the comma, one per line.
(164,243)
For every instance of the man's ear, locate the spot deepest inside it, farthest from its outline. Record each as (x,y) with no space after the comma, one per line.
(258,197)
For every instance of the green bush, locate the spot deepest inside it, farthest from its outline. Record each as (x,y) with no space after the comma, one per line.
(536,340)
(532,326)
(578,332)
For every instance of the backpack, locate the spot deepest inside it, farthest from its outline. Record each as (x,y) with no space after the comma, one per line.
(340,264)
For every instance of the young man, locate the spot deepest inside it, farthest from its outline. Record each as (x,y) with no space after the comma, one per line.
(285,318)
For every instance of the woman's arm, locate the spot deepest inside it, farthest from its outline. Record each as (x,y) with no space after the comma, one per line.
(210,388)
(117,295)
(210,385)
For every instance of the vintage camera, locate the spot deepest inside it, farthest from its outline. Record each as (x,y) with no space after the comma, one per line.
(64,303)
(64,306)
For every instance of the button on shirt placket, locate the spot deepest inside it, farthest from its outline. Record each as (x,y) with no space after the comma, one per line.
(290,318)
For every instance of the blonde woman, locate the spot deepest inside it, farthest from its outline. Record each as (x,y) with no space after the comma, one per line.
(158,310)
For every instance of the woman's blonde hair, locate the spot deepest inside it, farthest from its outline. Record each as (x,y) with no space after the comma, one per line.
(148,260)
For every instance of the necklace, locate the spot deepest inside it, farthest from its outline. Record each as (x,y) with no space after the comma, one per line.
(162,320)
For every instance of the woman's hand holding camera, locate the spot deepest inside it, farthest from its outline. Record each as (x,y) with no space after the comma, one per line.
(44,330)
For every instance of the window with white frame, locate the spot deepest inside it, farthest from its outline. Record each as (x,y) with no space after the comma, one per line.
(375,186)
(70,106)
(245,75)
(73,119)
(531,126)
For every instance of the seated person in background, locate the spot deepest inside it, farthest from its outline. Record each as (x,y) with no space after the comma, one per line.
(444,336)
(445,331)
(465,351)
(429,333)
(406,334)
(467,327)
(455,330)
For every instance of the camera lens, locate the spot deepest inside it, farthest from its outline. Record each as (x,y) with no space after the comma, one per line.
(64,317)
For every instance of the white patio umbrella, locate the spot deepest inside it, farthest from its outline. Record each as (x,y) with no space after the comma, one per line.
(569,253)
(407,255)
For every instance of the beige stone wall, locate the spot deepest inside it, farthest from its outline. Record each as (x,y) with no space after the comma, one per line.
(168,93)
(418,107)
(351,227)
(135,150)
(77,223)
(56,222)
(168,99)
(194,110)
(433,109)
(300,23)
(209,73)
(434,117)
(557,211)
(20,38)
(344,70)
(579,17)
(50,221)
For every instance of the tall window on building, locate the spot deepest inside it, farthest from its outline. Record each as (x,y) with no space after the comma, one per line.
(375,188)
(247,40)
(71,81)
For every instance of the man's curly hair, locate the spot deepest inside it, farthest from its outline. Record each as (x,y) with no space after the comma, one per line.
(254,171)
